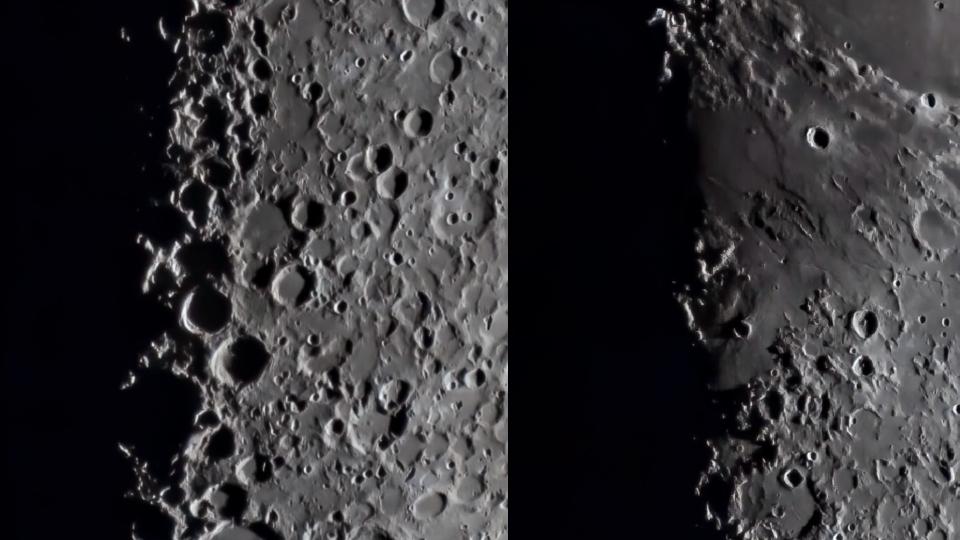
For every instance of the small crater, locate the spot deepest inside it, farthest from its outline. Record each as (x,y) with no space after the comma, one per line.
(421,13)
(289,286)
(261,69)
(864,323)
(221,445)
(741,329)
(392,183)
(792,478)
(445,67)
(205,310)
(378,158)
(241,360)
(260,104)
(818,137)
(307,215)
(863,366)
(429,505)
(418,123)
(230,501)
(823,363)
(314,91)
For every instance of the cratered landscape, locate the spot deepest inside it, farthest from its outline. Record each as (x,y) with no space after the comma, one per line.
(341,285)
(256,269)
(829,268)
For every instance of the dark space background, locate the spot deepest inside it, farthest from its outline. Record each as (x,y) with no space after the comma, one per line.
(607,396)
(80,162)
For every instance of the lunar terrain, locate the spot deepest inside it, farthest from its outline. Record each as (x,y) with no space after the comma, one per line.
(341,284)
(830,274)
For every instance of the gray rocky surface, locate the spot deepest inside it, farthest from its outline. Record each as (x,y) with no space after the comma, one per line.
(342,289)
(829,263)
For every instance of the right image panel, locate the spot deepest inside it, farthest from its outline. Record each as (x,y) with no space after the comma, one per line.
(828,292)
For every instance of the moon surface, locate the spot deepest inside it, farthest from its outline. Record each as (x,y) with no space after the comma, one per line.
(341,287)
(827,158)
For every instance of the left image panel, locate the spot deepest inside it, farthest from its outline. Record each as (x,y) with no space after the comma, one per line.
(87,92)
(256,285)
